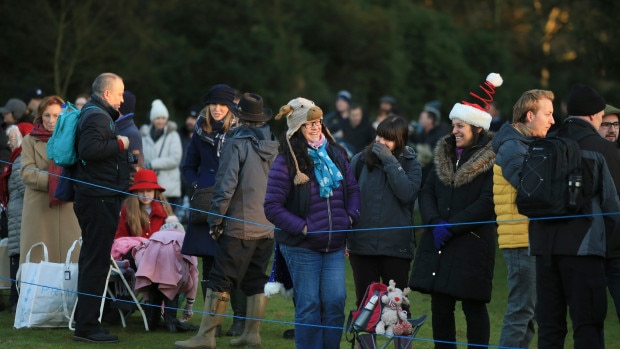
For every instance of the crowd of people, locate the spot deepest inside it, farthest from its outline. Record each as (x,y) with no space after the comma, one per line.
(332,185)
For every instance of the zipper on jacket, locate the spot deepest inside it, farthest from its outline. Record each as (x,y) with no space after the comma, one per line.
(329,218)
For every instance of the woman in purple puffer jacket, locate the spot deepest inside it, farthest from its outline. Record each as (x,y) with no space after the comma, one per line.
(312,199)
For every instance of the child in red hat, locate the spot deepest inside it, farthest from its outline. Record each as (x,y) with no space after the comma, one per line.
(144,212)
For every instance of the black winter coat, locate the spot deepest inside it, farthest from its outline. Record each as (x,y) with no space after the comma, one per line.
(101,162)
(459,195)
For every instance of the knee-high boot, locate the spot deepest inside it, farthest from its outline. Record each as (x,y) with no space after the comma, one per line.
(203,285)
(216,303)
(238,301)
(170,313)
(251,333)
(153,310)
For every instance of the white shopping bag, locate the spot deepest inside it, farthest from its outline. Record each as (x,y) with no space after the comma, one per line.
(47,291)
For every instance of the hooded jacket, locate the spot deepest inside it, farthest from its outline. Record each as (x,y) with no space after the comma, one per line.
(459,192)
(511,146)
(240,183)
(388,194)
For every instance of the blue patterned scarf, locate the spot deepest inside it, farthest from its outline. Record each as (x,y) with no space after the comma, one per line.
(327,173)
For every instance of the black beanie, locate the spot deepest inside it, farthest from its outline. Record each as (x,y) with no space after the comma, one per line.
(129,103)
(583,101)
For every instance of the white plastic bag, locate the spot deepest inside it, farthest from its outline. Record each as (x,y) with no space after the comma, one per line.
(47,291)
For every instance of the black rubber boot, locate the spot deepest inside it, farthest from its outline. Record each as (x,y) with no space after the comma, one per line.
(170,313)
(239,303)
(153,309)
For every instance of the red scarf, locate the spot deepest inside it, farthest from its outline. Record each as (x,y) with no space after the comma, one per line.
(41,133)
(54,171)
(4,177)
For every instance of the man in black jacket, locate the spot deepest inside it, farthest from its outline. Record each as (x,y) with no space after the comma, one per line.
(102,174)
(570,252)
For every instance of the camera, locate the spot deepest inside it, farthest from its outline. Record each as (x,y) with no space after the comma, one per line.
(132,159)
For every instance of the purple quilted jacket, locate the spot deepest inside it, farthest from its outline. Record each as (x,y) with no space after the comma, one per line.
(325,217)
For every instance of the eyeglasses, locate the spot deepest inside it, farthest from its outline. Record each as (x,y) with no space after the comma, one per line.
(610,124)
(313,124)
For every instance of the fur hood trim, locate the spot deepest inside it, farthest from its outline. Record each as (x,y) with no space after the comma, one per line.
(479,162)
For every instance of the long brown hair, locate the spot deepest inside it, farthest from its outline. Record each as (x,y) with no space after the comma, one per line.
(209,120)
(137,217)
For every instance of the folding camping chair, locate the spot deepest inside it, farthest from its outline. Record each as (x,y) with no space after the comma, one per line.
(367,340)
(115,276)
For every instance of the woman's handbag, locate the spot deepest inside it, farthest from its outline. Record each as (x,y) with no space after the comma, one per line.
(199,203)
(47,291)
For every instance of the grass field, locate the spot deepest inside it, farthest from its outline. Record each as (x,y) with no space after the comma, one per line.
(279,317)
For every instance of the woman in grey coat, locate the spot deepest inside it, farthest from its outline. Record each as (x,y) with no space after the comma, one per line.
(14,201)
(389,177)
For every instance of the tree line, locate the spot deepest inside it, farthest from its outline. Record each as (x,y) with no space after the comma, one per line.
(414,50)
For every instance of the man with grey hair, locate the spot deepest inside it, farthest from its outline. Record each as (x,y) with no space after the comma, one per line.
(102,174)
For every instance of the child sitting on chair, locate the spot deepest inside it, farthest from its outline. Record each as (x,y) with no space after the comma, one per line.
(144,212)
(164,274)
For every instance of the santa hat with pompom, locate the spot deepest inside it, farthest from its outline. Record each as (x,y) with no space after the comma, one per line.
(473,113)
(280,281)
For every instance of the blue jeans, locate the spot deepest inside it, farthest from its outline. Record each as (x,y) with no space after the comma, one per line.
(612,273)
(320,293)
(518,327)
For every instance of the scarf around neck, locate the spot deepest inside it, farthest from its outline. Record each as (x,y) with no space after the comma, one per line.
(216,137)
(40,133)
(325,170)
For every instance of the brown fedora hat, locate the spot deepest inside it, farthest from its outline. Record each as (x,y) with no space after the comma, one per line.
(250,108)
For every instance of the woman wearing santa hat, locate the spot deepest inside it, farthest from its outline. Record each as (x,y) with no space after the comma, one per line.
(456,255)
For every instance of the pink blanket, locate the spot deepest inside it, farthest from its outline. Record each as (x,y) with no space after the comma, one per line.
(159,260)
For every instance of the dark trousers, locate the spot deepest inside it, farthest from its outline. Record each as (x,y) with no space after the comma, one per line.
(13,267)
(576,283)
(98,219)
(368,269)
(240,263)
(444,326)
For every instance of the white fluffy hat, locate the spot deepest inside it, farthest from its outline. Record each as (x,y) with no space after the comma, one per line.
(475,114)
(158,109)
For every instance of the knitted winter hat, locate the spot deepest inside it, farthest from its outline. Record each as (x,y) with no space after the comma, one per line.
(25,128)
(344,95)
(172,223)
(158,109)
(584,100)
(220,94)
(129,103)
(475,114)
(298,111)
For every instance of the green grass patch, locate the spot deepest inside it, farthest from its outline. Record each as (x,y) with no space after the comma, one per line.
(280,316)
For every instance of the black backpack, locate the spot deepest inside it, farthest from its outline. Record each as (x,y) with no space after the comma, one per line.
(551,181)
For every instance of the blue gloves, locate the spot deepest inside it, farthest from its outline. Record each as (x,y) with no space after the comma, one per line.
(383,153)
(441,234)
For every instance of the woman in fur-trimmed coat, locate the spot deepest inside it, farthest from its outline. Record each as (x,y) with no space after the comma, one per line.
(455,259)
